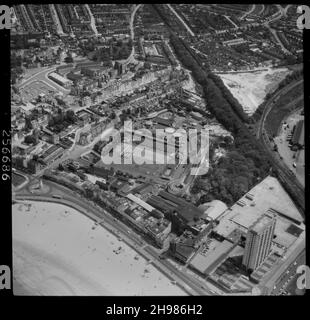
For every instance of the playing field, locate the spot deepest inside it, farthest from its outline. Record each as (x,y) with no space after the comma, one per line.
(136,160)
(32,90)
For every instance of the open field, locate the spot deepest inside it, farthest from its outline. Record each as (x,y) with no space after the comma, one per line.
(250,88)
(79,259)
(148,170)
(139,161)
(32,90)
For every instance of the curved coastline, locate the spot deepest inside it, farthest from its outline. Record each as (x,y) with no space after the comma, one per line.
(76,261)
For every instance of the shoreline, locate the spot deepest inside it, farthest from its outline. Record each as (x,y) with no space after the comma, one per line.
(67,262)
(85,213)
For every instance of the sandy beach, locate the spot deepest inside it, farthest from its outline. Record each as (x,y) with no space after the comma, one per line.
(59,251)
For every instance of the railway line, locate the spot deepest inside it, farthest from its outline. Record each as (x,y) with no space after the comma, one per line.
(171,30)
(284,174)
(286,177)
(270,103)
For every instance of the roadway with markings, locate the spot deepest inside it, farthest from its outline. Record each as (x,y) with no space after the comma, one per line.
(290,274)
(42,76)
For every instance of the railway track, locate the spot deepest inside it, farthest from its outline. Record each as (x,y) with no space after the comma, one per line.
(269,105)
(286,177)
(172,31)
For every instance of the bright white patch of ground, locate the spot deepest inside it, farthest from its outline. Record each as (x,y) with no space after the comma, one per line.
(93,179)
(219,153)
(250,88)
(58,251)
(190,84)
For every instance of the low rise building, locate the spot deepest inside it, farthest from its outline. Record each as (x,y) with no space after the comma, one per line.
(51,154)
(184,247)
(64,82)
(210,255)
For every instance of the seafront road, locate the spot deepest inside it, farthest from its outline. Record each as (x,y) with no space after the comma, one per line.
(188,283)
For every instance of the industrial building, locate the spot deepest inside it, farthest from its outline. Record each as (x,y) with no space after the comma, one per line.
(184,247)
(140,202)
(210,255)
(213,209)
(180,212)
(64,82)
(51,154)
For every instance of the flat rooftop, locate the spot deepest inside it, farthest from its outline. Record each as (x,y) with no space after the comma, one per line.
(262,222)
(140,202)
(266,197)
(207,259)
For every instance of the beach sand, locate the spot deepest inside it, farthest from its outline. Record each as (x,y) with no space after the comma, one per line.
(59,251)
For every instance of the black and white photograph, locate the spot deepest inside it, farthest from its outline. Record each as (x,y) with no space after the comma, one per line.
(155,150)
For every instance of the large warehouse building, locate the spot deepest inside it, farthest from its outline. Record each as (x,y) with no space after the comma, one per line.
(64,82)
